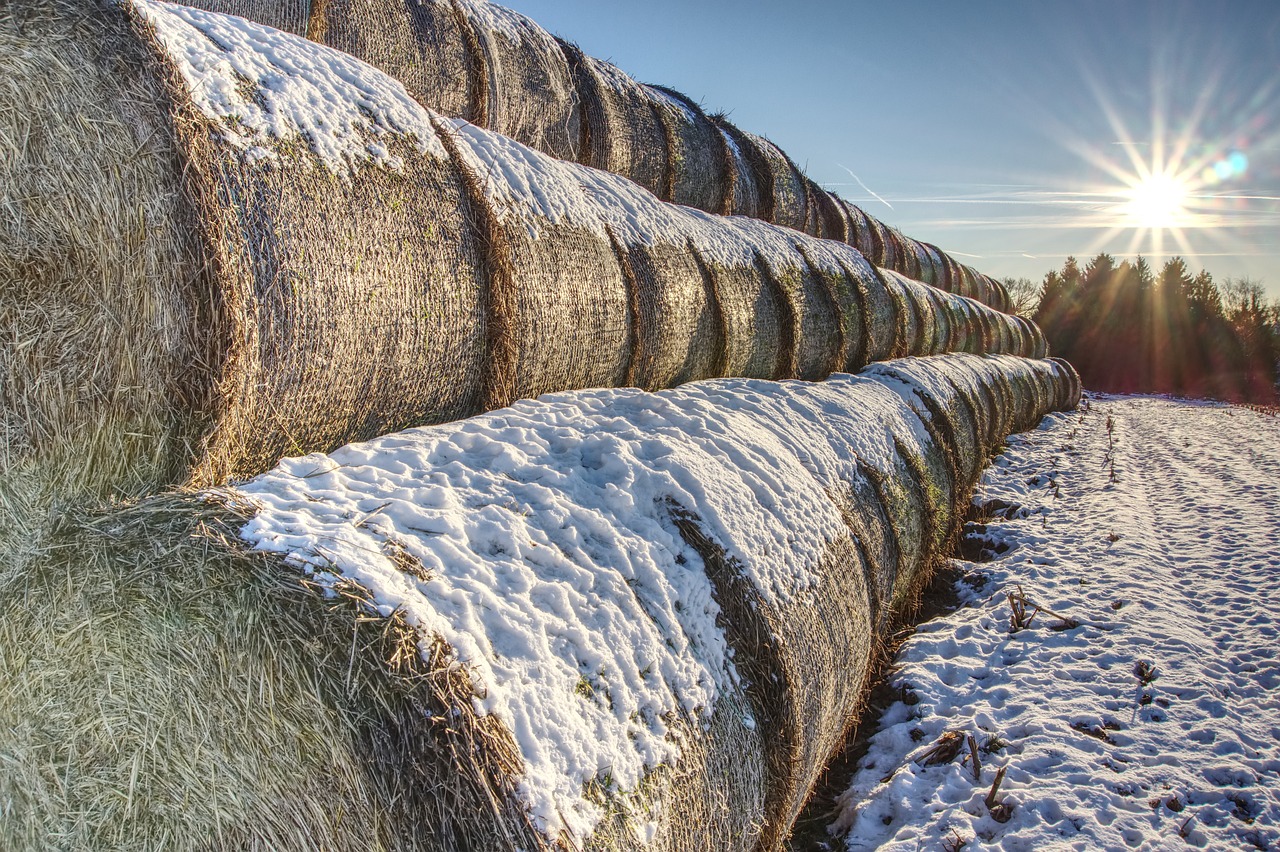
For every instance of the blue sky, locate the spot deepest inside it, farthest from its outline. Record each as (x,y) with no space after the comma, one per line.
(1003,132)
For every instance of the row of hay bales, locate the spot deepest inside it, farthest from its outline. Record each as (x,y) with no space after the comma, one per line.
(226,244)
(162,685)
(495,68)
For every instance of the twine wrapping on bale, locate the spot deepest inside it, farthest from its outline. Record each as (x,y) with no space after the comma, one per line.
(531,92)
(484,63)
(698,166)
(490,644)
(288,278)
(427,45)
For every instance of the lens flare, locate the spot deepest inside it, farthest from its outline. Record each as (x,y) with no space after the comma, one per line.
(1157,201)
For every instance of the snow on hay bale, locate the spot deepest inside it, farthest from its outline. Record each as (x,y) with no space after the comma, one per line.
(478,61)
(235,245)
(609,618)
(293,16)
(623,132)
(429,47)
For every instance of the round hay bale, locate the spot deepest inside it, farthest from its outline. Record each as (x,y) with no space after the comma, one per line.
(879,311)
(908,317)
(814,314)
(292,16)
(754,163)
(907,253)
(789,197)
(623,132)
(831,262)
(940,308)
(999,295)
(925,339)
(742,192)
(543,246)
(1038,342)
(932,270)
(201,286)
(427,45)
(886,246)
(1070,379)
(864,236)
(531,96)
(832,224)
(699,161)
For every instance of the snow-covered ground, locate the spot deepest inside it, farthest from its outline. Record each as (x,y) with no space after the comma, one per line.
(1152,724)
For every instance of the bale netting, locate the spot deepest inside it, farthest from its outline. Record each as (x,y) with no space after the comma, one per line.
(789,193)
(604,619)
(623,131)
(698,158)
(428,45)
(197,291)
(743,196)
(291,16)
(562,312)
(531,96)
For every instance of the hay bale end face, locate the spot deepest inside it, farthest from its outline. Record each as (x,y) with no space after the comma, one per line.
(469,636)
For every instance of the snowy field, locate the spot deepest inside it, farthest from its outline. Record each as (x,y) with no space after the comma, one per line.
(1144,711)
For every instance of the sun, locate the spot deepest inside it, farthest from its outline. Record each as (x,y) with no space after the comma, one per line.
(1157,202)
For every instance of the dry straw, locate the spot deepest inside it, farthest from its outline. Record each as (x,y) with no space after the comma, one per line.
(193,292)
(481,62)
(163,687)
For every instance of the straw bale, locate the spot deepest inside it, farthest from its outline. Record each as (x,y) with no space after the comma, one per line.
(831,263)
(560,291)
(907,252)
(212,309)
(813,310)
(212,698)
(805,675)
(742,194)
(531,95)
(908,319)
(428,45)
(879,311)
(932,268)
(1069,379)
(789,199)
(925,341)
(884,246)
(698,160)
(832,224)
(623,131)
(862,234)
(289,15)
(999,295)
(678,334)
(940,309)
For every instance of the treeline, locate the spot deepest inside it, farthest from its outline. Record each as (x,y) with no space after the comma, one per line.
(1129,329)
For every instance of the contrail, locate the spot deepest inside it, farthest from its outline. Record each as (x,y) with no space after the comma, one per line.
(864,186)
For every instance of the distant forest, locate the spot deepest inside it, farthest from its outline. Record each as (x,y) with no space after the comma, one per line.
(1128,329)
